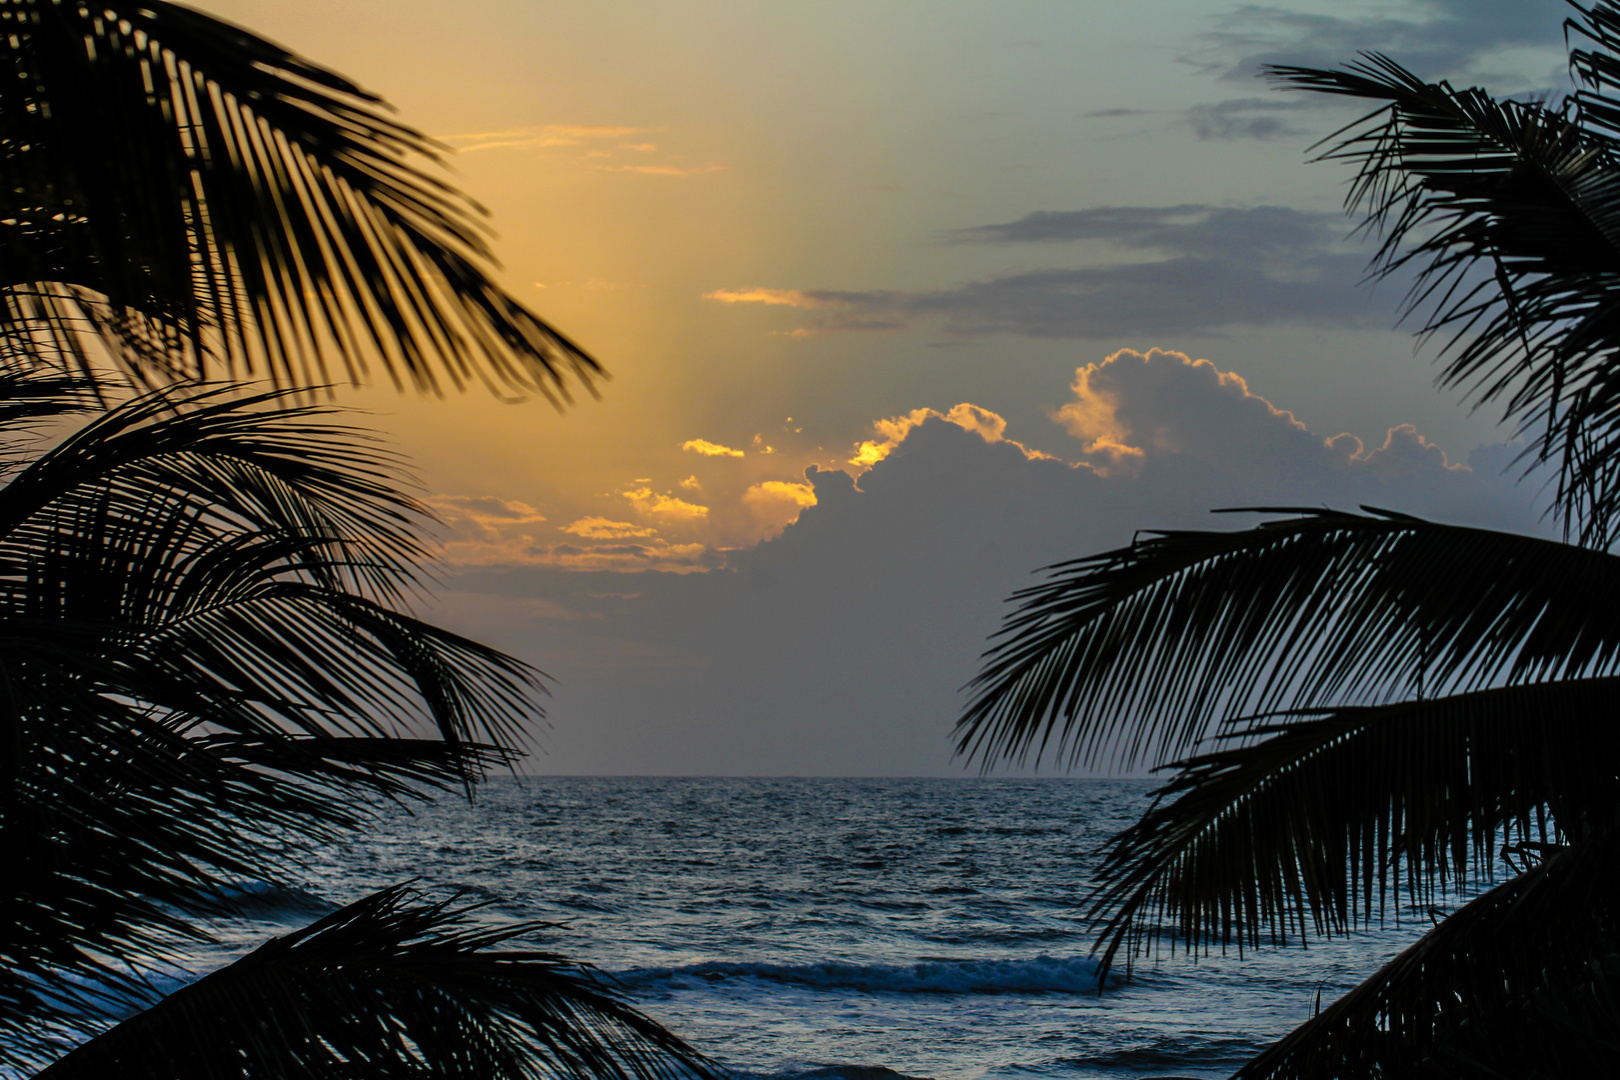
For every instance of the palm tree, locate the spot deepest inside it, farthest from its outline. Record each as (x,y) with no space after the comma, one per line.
(206,667)
(1364,709)
(206,204)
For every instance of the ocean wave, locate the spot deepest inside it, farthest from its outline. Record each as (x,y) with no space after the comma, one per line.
(832,1072)
(257,899)
(1036,975)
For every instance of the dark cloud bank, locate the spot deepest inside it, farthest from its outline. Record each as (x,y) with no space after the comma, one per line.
(1218,267)
(839,648)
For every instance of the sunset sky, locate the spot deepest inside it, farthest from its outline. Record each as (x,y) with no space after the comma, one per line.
(1012,279)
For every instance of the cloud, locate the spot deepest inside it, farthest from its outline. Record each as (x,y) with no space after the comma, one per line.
(709,449)
(543,135)
(485,515)
(1250,118)
(1514,46)
(771,491)
(1220,267)
(837,648)
(787,297)
(601,528)
(1434,38)
(691,484)
(776,504)
(969,417)
(640,148)
(651,504)
(1133,405)
(1268,233)
(617,558)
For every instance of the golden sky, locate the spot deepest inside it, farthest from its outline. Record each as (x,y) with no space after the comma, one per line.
(796,233)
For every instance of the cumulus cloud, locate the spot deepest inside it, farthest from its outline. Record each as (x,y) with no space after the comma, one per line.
(486,515)
(691,483)
(601,528)
(838,646)
(1134,404)
(776,504)
(1219,267)
(709,449)
(651,504)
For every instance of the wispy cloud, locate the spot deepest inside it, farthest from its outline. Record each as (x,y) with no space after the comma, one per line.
(783,297)
(541,135)
(485,515)
(601,528)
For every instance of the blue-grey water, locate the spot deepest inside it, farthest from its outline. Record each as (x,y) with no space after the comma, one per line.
(932,927)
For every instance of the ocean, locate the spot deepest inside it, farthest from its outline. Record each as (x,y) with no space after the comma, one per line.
(830,928)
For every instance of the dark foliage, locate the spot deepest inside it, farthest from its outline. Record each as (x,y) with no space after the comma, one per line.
(209,204)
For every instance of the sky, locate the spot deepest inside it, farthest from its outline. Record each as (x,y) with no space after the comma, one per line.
(900,302)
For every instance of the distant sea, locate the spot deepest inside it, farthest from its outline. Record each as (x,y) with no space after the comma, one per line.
(834,928)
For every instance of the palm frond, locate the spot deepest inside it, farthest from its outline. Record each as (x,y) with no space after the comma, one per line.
(1541,944)
(1141,651)
(1312,828)
(211,204)
(1509,214)
(207,667)
(386,986)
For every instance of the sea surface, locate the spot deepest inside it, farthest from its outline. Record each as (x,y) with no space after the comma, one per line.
(935,928)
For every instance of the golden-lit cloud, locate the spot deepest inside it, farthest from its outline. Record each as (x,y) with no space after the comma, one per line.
(787,297)
(1093,418)
(762,446)
(651,504)
(775,504)
(989,426)
(691,484)
(1406,452)
(601,528)
(640,148)
(709,449)
(777,491)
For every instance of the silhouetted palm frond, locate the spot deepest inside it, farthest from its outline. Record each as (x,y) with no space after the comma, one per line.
(1141,651)
(205,665)
(1491,980)
(391,986)
(211,204)
(1509,213)
(1310,829)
